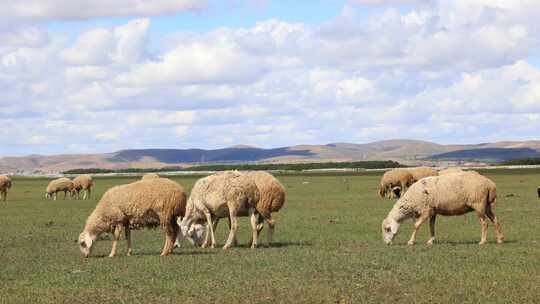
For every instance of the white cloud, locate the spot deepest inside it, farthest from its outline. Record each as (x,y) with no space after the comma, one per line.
(81,9)
(453,72)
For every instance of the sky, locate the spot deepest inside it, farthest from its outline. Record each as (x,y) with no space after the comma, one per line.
(100,76)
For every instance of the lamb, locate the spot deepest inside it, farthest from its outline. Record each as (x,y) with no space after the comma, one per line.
(450,170)
(82,183)
(452,194)
(5,185)
(58,185)
(395,182)
(421,172)
(149,176)
(272,199)
(224,194)
(145,203)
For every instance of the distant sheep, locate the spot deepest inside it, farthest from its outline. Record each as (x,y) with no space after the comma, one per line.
(272,199)
(82,183)
(224,194)
(145,203)
(395,182)
(452,194)
(5,185)
(62,184)
(421,172)
(450,170)
(149,176)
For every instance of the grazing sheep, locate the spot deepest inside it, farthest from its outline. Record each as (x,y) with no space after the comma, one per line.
(224,194)
(5,185)
(452,194)
(145,203)
(394,180)
(272,199)
(450,170)
(58,185)
(149,176)
(82,183)
(421,172)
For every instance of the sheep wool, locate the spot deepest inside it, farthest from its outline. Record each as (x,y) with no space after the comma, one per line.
(145,203)
(451,194)
(5,185)
(224,194)
(82,183)
(395,178)
(149,176)
(62,184)
(421,172)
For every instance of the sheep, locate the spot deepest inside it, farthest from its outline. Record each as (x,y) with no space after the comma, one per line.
(82,183)
(450,170)
(451,194)
(58,185)
(5,185)
(224,194)
(149,176)
(145,203)
(395,181)
(421,172)
(272,199)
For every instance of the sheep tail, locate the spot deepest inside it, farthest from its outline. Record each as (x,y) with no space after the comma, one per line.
(492,196)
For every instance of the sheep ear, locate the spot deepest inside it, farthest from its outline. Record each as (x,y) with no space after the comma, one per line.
(394,227)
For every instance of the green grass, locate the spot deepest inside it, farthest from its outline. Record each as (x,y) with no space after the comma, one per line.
(328,250)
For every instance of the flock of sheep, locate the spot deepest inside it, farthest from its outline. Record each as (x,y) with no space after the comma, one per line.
(423,193)
(154,201)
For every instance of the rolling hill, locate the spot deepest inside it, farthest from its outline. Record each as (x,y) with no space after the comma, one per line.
(405,151)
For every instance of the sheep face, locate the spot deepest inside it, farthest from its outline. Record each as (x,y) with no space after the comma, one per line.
(86,241)
(195,234)
(390,228)
(396,191)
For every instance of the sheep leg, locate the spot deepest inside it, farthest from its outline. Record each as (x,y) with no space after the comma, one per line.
(210,226)
(128,239)
(254,227)
(65,194)
(207,234)
(484,224)
(498,230)
(432,229)
(55,196)
(423,217)
(271,228)
(233,230)
(117,233)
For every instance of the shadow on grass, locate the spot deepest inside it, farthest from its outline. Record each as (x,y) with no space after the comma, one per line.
(277,245)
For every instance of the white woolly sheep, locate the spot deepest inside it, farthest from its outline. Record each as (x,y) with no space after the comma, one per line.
(82,183)
(149,176)
(420,172)
(145,203)
(451,194)
(62,184)
(5,185)
(395,178)
(224,194)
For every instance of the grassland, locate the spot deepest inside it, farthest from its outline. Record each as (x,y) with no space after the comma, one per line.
(328,250)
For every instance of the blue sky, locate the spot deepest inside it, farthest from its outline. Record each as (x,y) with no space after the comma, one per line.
(81,78)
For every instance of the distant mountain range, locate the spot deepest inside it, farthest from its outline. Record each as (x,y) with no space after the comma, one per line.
(405,151)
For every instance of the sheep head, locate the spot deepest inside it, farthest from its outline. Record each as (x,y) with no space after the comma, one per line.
(390,228)
(86,242)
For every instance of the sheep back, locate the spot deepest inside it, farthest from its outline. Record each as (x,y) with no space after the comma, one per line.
(271,191)
(145,203)
(60,184)
(421,172)
(149,176)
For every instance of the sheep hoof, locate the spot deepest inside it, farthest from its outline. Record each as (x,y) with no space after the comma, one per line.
(411,243)
(500,241)
(430,242)
(482,243)
(111,255)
